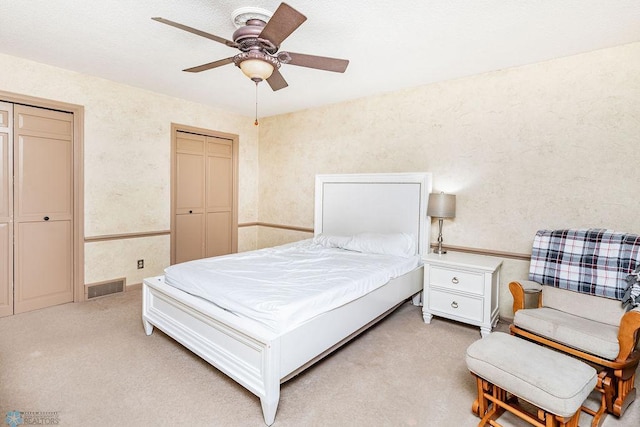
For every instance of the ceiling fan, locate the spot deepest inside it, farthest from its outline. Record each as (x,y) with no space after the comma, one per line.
(258,41)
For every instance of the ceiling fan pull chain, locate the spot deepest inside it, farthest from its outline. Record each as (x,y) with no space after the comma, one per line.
(256,122)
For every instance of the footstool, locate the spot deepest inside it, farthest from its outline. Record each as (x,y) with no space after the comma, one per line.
(508,369)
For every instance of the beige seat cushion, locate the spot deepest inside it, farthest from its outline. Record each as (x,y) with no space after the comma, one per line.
(600,309)
(546,378)
(578,332)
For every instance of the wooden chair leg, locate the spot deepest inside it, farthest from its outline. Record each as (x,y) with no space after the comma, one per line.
(609,388)
(601,413)
(489,417)
(495,410)
(625,390)
(550,421)
(480,405)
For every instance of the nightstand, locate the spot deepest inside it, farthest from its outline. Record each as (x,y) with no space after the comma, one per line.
(462,287)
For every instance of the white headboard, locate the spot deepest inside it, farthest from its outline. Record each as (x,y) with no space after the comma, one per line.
(376,203)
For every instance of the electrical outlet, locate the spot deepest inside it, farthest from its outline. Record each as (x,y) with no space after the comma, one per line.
(140,264)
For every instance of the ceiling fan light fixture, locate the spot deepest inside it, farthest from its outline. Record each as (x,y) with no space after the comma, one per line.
(256,65)
(256,69)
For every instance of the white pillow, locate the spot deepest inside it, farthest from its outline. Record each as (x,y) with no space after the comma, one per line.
(400,244)
(329,241)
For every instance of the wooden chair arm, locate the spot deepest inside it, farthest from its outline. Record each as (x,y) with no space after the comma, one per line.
(628,334)
(520,288)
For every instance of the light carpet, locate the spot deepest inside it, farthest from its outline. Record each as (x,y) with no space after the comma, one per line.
(90,364)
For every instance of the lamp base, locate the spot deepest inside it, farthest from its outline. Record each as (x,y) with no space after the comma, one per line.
(438,250)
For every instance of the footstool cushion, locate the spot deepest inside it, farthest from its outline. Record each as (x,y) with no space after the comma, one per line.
(552,381)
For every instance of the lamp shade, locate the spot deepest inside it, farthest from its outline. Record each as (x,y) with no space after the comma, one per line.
(441,205)
(256,69)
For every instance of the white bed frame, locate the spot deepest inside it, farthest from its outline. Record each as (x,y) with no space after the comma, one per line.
(259,359)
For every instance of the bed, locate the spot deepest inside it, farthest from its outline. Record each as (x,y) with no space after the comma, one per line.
(260,357)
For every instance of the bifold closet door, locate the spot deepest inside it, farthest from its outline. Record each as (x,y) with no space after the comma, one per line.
(219,190)
(6,210)
(190,197)
(43,208)
(204,195)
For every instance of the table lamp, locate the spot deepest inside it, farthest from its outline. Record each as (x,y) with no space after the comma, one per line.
(441,206)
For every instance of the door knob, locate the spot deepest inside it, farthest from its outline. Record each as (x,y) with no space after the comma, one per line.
(46,218)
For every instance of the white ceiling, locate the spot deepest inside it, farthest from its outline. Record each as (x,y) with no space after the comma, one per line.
(392,44)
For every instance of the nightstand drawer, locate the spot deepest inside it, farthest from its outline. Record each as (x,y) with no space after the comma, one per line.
(456,305)
(457,279)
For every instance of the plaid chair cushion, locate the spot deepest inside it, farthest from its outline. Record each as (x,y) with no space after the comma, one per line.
(593,261)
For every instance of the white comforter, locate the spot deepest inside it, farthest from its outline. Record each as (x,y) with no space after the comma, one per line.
(284,286)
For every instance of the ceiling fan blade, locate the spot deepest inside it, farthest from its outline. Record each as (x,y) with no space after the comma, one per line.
(318,62)
(209,65)
(197,32)
(276,81)
(284,21)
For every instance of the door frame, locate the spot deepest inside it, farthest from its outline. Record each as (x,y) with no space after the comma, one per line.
(78,177)
(175,128)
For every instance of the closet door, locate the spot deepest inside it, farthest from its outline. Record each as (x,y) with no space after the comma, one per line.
(43,208)
(189,197)
(219,189)
(6,210)
(204,195)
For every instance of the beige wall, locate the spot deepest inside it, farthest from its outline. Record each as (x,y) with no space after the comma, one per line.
(547,145)
(127,158)
(553,144)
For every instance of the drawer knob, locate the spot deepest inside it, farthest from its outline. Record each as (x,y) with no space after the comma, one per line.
(455,280)
(454,304)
